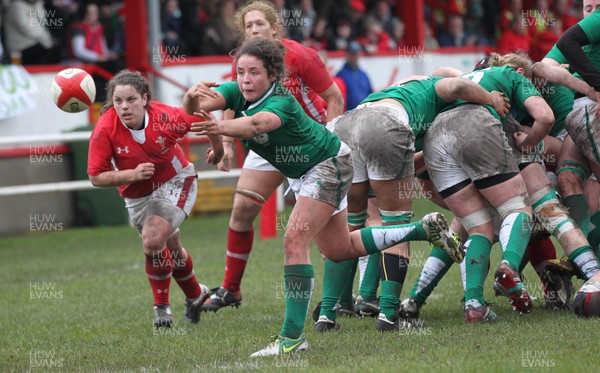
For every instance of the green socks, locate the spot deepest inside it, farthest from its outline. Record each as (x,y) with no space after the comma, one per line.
(335,278)
(437,265)
(514,236)
(477,264)
(370,281)
(298,282)
(379,238)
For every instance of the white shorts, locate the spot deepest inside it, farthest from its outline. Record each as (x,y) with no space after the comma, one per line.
(381,140)
(172,201)
(328,181)
(254,161)
(464,143)
(583,126)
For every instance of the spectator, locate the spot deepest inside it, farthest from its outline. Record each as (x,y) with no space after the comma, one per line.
(222,35)
(515,38)
(87,42)
(342,36)
(491,14)
(356,14)
(171,30)
(430,40)
(301,21)
(376,40)
(358,85)
(455,35)
(382,14)
(62,13)
(544,41)
(111,21)
(515,8)
(563,10)
(398,34)
(192,26)
(473,20)
(112,18)
(27,35)
(319,35)
(539,18)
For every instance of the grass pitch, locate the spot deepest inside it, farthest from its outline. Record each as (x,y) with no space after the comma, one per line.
(79,300)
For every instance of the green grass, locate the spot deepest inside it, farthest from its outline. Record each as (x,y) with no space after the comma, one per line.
(101,313)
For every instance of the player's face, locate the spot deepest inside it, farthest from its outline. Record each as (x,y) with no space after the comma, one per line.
(252,77)
(257,26)
(590,6)
(130,106)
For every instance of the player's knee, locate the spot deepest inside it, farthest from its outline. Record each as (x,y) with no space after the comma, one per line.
(550,213)
(571,176)
(151,243)
(395,217)
(477,220)
(514,204)
(246,206)
(358,219)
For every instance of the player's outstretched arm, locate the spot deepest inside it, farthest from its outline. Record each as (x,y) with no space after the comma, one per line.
(202,97)
(561,76)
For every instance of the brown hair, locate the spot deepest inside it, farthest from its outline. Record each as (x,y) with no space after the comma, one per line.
(515,60)
(266,8)
(270,52)
(126,77)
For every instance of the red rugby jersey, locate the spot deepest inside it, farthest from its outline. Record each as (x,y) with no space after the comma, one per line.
(113,143)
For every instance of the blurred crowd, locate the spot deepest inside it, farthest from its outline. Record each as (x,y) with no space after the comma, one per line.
(54,31)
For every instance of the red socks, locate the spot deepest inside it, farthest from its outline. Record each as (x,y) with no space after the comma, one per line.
(239,245)
(159,267)
(183,273)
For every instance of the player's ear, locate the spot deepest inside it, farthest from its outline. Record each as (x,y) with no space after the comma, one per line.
(145,99)
(521,70)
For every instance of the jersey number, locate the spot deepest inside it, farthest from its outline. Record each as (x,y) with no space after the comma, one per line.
(475,76)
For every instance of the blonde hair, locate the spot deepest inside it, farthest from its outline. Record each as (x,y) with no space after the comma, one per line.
(514,60)
(266,8)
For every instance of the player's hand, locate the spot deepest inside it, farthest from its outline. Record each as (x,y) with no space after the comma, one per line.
(203,90)
(143,171)
(522,143)
(213,156)
(210,126)
(501,103)
(598,101)
(227,161)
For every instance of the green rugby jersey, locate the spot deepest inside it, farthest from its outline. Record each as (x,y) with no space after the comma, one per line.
(592,50)
(419,99)
(515,87)
(298,144)
(560,99)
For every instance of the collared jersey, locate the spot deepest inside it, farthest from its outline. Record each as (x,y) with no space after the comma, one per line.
(513,85)
(114,144)
(306,77)
(298,144)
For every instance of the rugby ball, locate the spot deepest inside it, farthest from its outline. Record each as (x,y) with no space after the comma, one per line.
(73,90)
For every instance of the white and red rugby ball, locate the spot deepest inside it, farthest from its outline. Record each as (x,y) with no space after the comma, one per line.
(73,90)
